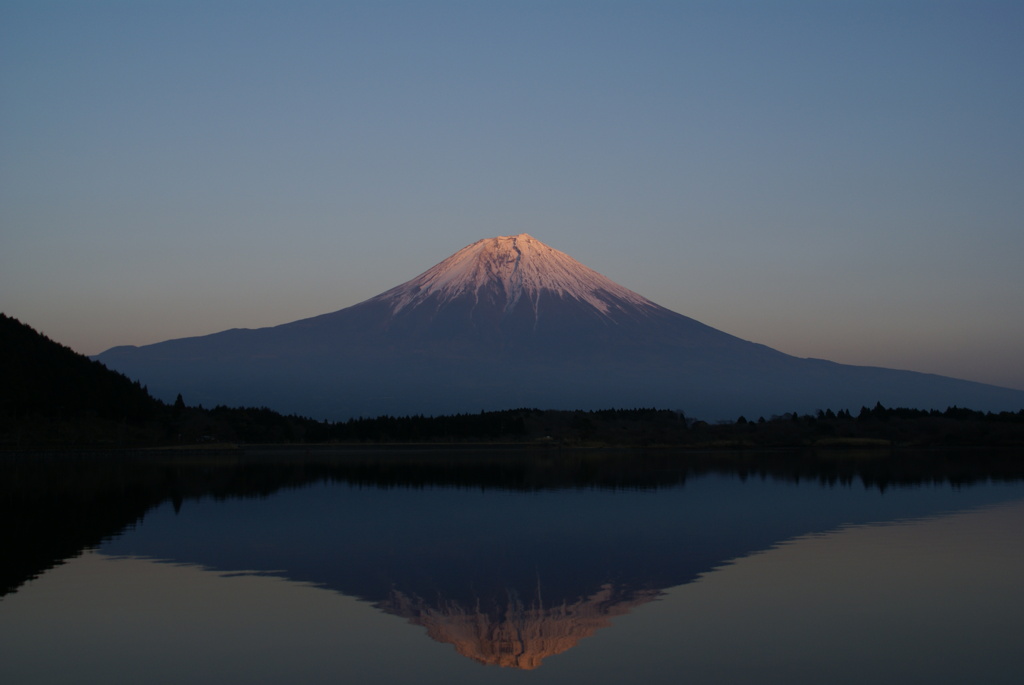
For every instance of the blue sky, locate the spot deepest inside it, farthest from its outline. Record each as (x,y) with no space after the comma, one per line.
(842,180)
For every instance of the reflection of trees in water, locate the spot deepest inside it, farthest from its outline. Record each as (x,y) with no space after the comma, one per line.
(52,507)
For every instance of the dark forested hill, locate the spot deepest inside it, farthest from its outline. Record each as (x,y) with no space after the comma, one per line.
(53,394)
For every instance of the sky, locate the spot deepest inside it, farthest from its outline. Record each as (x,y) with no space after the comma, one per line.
(835,179)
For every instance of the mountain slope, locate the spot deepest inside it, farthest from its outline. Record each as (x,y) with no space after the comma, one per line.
(508,322)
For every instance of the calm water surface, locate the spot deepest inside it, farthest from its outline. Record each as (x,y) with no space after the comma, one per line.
(716,577)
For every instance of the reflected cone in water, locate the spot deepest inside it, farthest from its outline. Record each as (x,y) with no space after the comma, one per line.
(516,634)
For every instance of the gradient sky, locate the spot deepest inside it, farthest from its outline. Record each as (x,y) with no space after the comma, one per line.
(842,180)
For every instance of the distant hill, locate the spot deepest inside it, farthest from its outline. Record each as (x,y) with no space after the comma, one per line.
(511,322)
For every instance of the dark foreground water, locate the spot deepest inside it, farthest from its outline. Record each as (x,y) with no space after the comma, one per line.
(561,569)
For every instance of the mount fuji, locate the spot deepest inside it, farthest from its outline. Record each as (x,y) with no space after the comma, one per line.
(509,322)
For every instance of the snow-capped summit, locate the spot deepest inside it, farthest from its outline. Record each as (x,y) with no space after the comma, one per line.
(512,271)
(509,322)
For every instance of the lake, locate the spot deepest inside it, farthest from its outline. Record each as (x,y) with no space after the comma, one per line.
(546,567)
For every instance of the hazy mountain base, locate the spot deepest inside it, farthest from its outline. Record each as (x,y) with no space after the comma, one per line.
(57,398)
(351,381)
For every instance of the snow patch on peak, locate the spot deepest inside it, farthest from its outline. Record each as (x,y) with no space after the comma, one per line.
(519,267)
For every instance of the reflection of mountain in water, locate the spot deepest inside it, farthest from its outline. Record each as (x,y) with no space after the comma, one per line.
(515,633)
(507,576)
